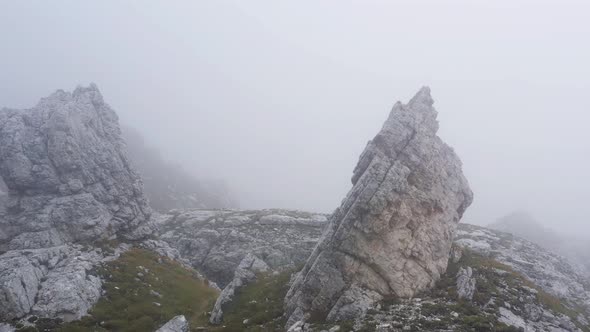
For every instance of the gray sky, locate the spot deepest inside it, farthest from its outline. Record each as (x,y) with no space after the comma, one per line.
(279,98)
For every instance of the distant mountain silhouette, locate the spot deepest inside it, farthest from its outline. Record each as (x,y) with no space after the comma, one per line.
(169,186)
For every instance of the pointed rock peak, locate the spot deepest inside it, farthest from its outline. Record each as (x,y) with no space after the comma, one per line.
(91,91)
(409,194)
(66,155)
(422,99)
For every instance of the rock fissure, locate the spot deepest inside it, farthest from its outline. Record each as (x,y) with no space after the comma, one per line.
(403,253)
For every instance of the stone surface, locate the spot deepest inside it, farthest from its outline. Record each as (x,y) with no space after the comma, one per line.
(6,328)
(56,282)
(549,271)
(176,324)
(67,173)
(393,232)
(216,241)
(245,273)
(465,283)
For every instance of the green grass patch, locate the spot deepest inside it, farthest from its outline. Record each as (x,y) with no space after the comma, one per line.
(130,303)
(260,303)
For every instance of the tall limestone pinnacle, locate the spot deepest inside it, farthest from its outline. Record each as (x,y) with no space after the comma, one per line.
(68,175)
(393,232)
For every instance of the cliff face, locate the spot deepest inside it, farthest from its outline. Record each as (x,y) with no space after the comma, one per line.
(67,173)
(393,232)
(69,181)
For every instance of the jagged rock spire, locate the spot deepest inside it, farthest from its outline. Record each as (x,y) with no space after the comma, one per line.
(68,174)
(392,234)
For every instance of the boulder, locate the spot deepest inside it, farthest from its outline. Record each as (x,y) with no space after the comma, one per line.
(176,324)
(465,283)
(392,234)
(57,282)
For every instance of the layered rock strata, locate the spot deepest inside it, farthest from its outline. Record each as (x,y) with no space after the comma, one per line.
(67,173)
(393,232)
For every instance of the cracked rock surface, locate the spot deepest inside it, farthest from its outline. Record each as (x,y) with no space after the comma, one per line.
(55,282)
(393,232)
(67,173)
(68,182)
(216,241)
(465,283)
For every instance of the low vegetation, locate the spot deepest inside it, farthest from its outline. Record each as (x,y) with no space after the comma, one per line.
(258,306)
(143,292)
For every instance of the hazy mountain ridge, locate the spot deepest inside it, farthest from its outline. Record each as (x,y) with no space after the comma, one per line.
(82,246)
(522,224)
(169,186)
(514,280)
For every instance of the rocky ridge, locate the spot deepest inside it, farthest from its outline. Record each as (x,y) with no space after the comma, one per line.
(216,241)
(169,186)
(70,188)
(393,232)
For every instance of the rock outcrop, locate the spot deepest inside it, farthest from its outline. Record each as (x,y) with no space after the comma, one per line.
(551,272)
(58,282)
(176,324)
(245,273)
(215,242)
(465,283)
(67,173)
(393,232)
(69,184)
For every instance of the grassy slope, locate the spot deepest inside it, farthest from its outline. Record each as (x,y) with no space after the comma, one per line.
(260,303)
(128,304)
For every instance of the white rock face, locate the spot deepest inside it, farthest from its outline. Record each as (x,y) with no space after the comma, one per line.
(176,324)
(393,232)
(67,173)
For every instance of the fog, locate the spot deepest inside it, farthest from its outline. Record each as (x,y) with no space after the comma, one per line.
(279,98)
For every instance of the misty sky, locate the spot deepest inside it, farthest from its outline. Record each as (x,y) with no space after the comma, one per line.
(280,97)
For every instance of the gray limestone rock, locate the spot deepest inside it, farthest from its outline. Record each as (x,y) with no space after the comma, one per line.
(6,328)
(393,232)
(465,283)
(67,173)
(55,282)
(245,273)
(176,324)
(216,241)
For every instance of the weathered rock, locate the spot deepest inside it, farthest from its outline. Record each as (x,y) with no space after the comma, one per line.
(465,283)
(215,242)
(245,273)
(393,232)
(6,328)
(67,174)
(176,324)
(456,254)
(55,282)
(551,272)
